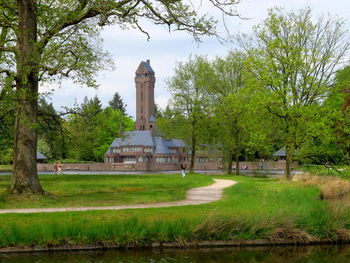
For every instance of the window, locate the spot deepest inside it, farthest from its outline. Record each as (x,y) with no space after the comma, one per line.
(202,160)
(132,149)
(173,150)
(163,159)
(116,150)
(129,159)
(148,150)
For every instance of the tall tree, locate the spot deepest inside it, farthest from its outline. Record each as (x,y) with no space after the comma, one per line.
(41,40)
(189,103)
(117,103)
(237,109)
(295,58)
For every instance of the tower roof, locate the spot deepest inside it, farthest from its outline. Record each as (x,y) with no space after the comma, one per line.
(146,65)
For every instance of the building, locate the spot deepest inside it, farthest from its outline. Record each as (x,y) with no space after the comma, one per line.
(144,83)
(142,149)
(40,158)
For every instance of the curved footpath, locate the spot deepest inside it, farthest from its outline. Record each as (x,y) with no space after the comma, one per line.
(195,196)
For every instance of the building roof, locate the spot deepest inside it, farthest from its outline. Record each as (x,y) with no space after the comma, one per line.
(147,65)
(145,138)
(40,156)
(281,152)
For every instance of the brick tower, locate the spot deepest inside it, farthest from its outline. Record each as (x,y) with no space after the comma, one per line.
(144,82)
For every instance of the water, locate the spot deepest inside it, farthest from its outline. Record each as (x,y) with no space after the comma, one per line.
(324,254)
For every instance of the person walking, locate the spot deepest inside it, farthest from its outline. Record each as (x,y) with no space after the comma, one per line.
(54,168)
(60,165)
(183,169)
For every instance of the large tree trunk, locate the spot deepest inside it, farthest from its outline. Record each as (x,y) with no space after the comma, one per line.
(237,163)
(289,160)
(193,154)
(25,177)
(230,161)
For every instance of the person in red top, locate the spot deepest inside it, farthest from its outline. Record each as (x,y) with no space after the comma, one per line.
(60,166)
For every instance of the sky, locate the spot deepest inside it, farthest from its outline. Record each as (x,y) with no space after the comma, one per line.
(128,48)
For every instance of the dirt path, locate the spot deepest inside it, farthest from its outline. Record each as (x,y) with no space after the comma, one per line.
(195,196)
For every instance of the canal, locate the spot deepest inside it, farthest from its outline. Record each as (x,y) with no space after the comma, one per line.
(310,254)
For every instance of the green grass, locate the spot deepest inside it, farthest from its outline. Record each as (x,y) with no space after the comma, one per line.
(5,167)
(105,190)
(342,171)
(252,209)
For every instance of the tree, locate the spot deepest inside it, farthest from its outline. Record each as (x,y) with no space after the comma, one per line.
(117,103)
(157,111)
(237,111)
(49,40)
(7,120)
(93,129)
(329,143)
(189,103)
(52,136)
(295,57)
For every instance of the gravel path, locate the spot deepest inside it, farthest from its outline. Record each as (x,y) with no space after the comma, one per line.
(195,196)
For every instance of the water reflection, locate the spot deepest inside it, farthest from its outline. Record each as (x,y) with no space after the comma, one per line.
(325,254)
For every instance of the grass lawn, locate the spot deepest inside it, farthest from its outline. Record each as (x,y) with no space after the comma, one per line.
(5,167)
(105,190)
(342,171)
(253,209)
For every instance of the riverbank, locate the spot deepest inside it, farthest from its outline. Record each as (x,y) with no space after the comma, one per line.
(261,254)
(161,245)
(266,209)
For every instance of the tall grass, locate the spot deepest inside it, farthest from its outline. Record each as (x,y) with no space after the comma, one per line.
(331,187)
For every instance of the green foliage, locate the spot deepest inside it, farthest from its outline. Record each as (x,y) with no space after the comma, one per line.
(187,116)
(237,109)
(294,58)
(7,122)
(330,143)
(52,137)
(93,129)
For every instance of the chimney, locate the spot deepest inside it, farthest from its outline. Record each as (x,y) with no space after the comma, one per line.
(148,62)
